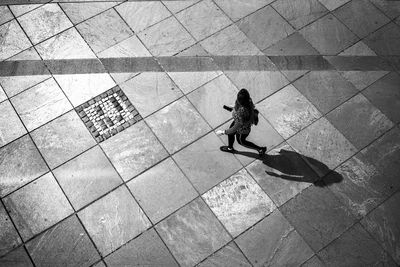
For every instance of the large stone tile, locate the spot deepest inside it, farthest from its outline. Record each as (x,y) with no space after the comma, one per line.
(16,258)
(178,5)
(177,125)
(260,84)
(237,9)
(79,88)
(204,164)
(385,41)
(66,45)
(230,255)
(65,244)
(384,153)
(390,8)
(361,17)
(328,35)
(288,111)
(362,79)
(150,91)
(114,220)
(326,147)
(265,27)
(189,81)
(363,187)
(44,22)
(13,39)
(40,104)
(145,250)
(383,224)
(293,45)
(197,19)
(300,13)
(274,242)
(62,139)
(192,233)
(355,248)
(325,89)
(104,30)
(358,49)
(230,41)
(210,98)
(78,12)
(282,174)
(9,237)
(359,121)
(141,14)
(162,190)
(131,47)
(263,134)
(238,202)
(167,38)
(3,95)
(37,206)
(13,85)
(313,262)
(20,163)
(385,95)
(318,216)
(19,10)
(5,14)
(333,4)
(134,150)
(87,177)
(11,126)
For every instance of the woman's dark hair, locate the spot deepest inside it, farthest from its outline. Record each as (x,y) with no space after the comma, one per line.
(244,100)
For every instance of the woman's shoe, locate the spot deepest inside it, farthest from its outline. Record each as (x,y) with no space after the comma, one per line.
(227,149)
(262,151)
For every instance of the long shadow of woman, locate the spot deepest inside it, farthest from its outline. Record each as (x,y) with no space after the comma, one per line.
(290,165)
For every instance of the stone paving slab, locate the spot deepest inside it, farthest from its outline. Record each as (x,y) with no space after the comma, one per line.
(324,75)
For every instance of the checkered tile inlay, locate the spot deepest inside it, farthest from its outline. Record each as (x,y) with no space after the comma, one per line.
(108,114)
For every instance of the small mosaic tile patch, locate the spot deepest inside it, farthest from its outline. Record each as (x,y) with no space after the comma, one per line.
(108,114)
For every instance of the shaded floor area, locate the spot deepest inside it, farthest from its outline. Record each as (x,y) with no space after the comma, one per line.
(108,119)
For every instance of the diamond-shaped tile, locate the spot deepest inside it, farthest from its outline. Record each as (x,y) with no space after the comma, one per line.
(237,9)
(162,190)
(230,255)
(238,202)
(40,104)
(37,206)
(20,163)
(192,233)
(288,111)
(134,150)
(317,216)
(265,27)
(141,14)
(188,81)
(325,89)
(293,45)
(301,12)
(328,35)
(114,220)
(197,19)
(87,177)
(150,91)
(361,17)
(13,39)
(146,250)
(44,22)
(167,38)
(65,244)
(385,95)
(104,30)
(385,41)
(62,139)
(5,14)
(177,119)
(359,121)
(78,12)
(11,126)
(274,242)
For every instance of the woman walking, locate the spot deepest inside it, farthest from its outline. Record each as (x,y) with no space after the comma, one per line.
(243,118)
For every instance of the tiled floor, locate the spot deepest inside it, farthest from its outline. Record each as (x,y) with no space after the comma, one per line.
(150,187)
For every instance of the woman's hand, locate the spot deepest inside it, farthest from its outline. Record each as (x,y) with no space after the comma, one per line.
(220,132)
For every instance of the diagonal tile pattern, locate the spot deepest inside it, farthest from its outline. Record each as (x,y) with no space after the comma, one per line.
(160,192)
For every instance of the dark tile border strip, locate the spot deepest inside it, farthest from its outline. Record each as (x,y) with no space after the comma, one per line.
(198,64)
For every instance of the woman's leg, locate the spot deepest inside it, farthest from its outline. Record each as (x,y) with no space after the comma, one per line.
(241,138)
(231,137)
